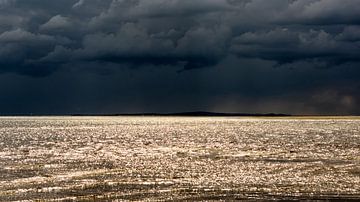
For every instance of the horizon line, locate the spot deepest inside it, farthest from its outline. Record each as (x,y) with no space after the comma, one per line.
(189,113)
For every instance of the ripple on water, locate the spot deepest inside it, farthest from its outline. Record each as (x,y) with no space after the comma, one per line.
(86,158)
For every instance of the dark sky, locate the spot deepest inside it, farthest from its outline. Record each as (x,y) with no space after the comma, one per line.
(129,56)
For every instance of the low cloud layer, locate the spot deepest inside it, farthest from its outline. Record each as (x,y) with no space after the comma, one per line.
(41,38)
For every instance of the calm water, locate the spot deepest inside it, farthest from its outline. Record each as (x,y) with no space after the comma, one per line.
(138,158)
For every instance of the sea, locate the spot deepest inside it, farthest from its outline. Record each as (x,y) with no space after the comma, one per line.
(158,158)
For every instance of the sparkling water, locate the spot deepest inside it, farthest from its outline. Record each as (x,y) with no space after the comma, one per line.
(179,158)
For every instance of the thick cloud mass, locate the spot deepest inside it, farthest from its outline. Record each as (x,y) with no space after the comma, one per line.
(40,39)
(191,33)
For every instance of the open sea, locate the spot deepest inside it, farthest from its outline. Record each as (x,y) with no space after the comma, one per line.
(179,158)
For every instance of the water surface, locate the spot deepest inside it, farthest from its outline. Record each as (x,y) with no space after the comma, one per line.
(179,158)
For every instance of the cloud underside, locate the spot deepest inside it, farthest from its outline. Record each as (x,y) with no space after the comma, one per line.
(221,55)
(189,34)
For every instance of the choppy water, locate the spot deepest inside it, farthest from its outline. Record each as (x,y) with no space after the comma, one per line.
(158,158)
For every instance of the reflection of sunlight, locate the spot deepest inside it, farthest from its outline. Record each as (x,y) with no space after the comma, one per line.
(178,158)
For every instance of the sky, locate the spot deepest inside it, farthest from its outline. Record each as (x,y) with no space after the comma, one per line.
(137,56)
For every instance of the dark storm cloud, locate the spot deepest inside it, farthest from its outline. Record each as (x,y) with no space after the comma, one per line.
(241,50)
(286,46)
(39,34)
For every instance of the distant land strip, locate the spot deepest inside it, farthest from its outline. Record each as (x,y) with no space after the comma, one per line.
(194,113)
(187,114)
(197,113)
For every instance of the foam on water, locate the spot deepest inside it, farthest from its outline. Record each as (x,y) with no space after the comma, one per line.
(160,158)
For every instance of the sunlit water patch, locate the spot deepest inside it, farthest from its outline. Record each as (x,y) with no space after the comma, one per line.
(172,158)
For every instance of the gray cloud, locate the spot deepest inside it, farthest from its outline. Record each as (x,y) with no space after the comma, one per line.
(286,46)
(195,34)
(323,12)
(238,51)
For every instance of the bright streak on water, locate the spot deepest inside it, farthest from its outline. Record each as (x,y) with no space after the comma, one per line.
(168,158)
